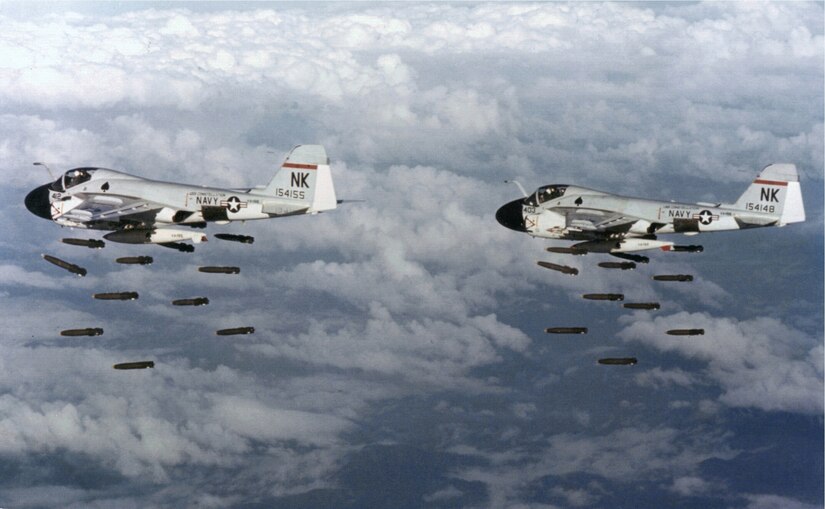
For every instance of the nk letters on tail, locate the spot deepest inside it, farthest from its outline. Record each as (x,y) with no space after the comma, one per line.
(305,179)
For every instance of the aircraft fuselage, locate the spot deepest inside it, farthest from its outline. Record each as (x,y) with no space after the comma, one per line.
(615,223)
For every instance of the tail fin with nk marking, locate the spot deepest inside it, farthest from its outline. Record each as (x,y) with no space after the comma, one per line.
(305,178)
(776,191)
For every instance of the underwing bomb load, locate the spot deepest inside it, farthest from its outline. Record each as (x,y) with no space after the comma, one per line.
(564,269)
(673,277)
(74,269)
(619,361)
(196,301)
(135,260)
(685,249)
(632,257)
(96,331)
(236,330)
(135,365)
(179,246)
(90,243)
(686,332)
(566,330)
(116,296)
(642,305)
(603,296)
(618,265)
(567,250)
(220,270)
(243,239)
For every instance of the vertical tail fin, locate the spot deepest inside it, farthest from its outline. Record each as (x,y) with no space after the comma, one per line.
(775,191)
(305,178)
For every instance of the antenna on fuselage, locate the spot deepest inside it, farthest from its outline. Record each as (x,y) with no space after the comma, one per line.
(516,182)
(45,166)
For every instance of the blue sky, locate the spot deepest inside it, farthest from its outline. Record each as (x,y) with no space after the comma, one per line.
(399,358)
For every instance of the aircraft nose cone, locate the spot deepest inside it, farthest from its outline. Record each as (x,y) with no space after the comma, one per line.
(37,201)
(510,216)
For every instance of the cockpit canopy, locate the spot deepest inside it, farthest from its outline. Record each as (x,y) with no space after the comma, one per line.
(544,194)
(72,178)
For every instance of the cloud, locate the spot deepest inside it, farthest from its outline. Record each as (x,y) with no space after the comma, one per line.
(251,419)
(760,363)
(13,275)
(411,317)
(422,351)
(659,378)
(448,493)
(576,497)
(775,502)
(149,424)
(187,60)
(690,486)
(625,455)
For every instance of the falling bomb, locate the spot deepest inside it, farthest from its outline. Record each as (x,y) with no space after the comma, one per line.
(564,269)
(74,269)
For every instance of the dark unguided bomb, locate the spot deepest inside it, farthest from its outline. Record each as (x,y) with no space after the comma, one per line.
(564,269)
(673,277)
(116,296)
(642,305)
(180,246)
(686,332)
(220,270)
(90,243)
(196,301)
(632,257)
(74,269)
(135,365)
(618,265)
(96,331)
(566,330)
(603,296)
(687,249)
(567,250)
(243,239)
(619,361)
(135,260)
(236,330)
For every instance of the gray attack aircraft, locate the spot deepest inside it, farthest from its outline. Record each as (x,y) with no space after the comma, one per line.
(143,211)
(608,223)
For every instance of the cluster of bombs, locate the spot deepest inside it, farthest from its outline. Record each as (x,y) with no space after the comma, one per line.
(130,295)
(626,265)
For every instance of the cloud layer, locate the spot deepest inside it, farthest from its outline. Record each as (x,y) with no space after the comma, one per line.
(409,325)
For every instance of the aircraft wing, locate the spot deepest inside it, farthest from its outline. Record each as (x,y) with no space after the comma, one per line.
(595,220)
(112,208)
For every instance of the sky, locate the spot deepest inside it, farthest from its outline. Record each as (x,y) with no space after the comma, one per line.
(399,357)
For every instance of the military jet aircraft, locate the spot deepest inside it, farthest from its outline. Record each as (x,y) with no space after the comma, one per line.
(608,223)
(143,211)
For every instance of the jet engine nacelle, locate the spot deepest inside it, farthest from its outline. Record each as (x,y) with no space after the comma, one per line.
(155,236)
(623,246)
